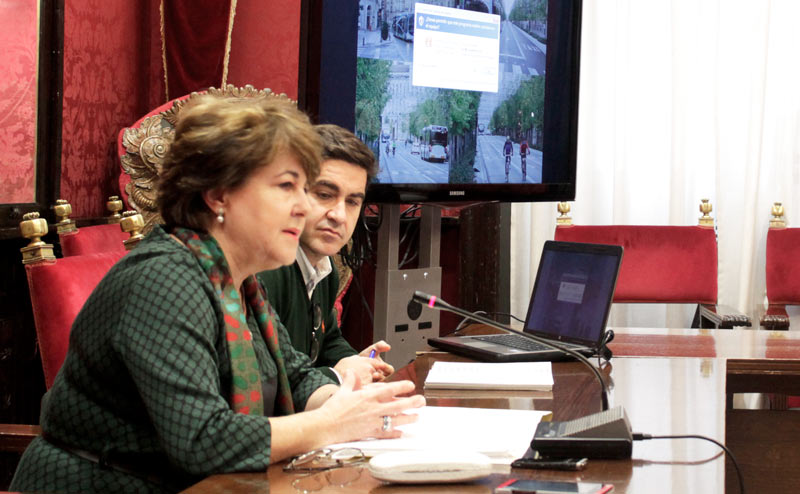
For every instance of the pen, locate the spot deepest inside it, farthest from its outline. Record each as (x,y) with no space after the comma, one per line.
(372,353)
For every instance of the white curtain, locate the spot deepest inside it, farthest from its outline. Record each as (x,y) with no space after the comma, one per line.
(682,100)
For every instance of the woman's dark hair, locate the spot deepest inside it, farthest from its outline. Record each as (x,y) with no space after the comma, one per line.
(220,142)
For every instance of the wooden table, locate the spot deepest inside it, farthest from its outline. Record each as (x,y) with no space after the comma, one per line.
(709,343)
(661,396)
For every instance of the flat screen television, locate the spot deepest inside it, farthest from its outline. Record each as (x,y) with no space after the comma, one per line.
(452,96)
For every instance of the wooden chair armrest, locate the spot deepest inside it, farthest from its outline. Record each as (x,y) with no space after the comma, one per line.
(775,318)
(723,316)
(15,438)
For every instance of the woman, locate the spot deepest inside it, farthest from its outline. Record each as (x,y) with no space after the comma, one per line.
(177,368)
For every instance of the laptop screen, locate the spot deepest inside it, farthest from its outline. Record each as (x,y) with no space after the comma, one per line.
(573,291)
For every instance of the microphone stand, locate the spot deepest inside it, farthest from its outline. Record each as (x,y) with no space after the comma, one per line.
(436,303)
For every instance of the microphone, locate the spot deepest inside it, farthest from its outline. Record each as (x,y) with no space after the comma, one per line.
(435,302)
(606,434)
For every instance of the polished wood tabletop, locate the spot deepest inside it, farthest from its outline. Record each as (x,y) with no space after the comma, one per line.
(661,396)
(710,343)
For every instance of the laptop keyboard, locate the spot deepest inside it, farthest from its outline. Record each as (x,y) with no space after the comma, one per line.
(513,341)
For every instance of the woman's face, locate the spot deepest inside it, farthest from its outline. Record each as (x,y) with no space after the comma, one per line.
(265,216)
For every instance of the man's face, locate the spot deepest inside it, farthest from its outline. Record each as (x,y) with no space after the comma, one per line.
(336,199)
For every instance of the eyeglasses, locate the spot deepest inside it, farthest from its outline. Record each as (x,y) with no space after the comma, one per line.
(325,459)
(338,467)
(316,321)
(341,477)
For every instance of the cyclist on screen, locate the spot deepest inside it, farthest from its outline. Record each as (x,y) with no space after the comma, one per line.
(523,155)
(508,151)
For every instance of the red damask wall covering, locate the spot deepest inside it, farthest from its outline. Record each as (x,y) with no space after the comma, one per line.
(18,58)
(265,44)
(113,75)
(107,83)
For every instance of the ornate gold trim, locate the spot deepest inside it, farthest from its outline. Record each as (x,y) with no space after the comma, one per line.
(114,205)
(777,220)
(564,219)
(34,228)
(132,224)
(705,208)
(65,225)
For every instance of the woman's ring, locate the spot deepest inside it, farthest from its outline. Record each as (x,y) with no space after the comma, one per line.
(387,423)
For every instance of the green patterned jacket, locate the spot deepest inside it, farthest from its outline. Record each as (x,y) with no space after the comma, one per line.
(147,374)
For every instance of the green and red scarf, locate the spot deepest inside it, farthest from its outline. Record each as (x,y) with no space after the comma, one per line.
(246,391)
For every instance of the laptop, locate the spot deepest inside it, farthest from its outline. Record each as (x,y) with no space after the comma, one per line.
(570,304)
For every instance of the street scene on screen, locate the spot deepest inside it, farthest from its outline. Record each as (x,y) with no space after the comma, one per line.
(471,109)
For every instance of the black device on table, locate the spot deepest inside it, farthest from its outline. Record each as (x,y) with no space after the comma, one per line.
(571,464)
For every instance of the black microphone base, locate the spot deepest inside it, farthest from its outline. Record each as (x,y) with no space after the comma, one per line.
(605,435)
(610,449)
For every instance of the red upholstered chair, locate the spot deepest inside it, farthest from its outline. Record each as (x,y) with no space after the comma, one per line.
(90,239)
(58,290)
(663,264)
(143,146)
(783,288)
(782,269)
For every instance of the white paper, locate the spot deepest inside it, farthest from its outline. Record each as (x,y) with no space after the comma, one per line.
(455,48)
(502,435)
(482,375)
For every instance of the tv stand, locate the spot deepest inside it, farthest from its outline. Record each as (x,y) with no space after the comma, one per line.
(399,321)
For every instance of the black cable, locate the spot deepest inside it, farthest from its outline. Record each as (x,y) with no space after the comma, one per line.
(364,300)
(411,240)
(603,350)
(637,436)
(464,321)
(509,315)
(359,250)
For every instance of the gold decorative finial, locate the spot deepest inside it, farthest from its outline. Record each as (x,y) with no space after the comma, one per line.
(65,225)
(706,367)
(34,228)
(777,221)
(705,208)
(132,224)
(114,205)
(564,219)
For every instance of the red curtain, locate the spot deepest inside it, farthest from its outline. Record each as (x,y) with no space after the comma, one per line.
(195,35)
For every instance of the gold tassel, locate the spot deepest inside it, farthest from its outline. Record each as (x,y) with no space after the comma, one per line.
(164,50)
(227,58)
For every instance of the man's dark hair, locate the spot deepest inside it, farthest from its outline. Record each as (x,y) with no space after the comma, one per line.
(340,144)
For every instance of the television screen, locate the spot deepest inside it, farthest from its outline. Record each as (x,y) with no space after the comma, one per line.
(460,100)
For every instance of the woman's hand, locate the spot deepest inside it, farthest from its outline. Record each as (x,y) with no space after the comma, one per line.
(350,413)
(356,412)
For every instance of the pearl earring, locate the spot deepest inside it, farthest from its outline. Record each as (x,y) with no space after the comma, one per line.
(220,216)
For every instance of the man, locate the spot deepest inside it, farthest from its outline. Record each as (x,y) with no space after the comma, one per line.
(523,155)
(303,294)
(508,151)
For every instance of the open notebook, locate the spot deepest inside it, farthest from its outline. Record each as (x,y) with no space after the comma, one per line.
(570,304)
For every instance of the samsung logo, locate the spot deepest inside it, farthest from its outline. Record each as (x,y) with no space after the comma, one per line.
(456,192)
